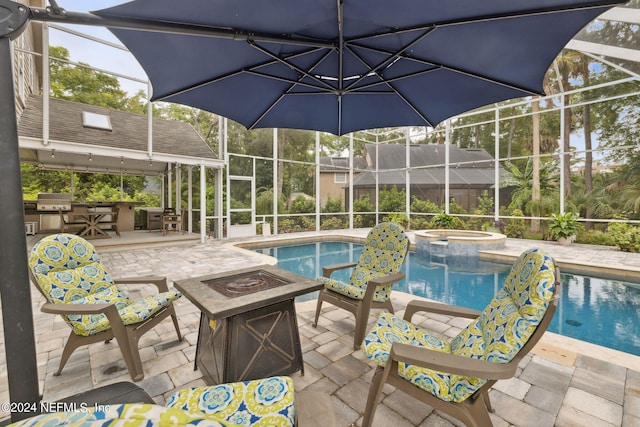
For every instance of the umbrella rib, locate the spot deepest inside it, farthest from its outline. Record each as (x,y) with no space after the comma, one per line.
(286,80)
(235,73)
(288,91)
(410,104)
(453,69)
(292,65)
(393,56)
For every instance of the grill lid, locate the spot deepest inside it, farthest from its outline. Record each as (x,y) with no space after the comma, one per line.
(53,202)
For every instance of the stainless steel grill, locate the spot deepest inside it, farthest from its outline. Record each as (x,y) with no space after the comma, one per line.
(53,202)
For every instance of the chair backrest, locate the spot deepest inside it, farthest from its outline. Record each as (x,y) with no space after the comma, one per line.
(66,268)
(506,325)
(385,250)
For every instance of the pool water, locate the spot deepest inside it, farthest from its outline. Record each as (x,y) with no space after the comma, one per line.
(599,311)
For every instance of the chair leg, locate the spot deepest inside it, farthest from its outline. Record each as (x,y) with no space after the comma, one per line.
(175,323)
(377,383)
(131,355)
(318,307)
(73,342)
(476,412)
(362,318)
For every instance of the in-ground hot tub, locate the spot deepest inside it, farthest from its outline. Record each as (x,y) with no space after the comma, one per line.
(443,242)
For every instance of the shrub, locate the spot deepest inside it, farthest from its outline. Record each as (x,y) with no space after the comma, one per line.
(302,204)
(443,220)
(332,223)
(516,227)
(625,236)
(595,237)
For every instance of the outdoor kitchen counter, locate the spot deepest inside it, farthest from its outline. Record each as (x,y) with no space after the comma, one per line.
(247,335)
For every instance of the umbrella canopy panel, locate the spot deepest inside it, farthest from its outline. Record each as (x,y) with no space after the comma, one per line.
(342,66)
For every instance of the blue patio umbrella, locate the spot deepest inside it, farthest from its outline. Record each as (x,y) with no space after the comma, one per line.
(344,65)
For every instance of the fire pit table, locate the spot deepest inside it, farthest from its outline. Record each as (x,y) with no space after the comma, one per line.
(248,326)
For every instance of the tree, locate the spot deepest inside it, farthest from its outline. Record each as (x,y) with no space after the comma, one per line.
(521,180)
(82,84)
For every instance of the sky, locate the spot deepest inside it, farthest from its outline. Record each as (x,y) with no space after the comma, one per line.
(98,55)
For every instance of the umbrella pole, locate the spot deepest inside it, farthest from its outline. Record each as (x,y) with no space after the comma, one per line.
(17,316)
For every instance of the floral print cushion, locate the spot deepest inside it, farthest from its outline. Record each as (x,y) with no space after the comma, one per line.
(264,402)
(124,415)
(134,312)
(384,253)
(68,270)
(497,335)
(66,267)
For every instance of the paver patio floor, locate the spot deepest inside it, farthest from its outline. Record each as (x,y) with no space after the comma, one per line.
(564,382)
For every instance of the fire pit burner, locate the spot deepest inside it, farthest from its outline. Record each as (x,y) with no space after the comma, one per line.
(244,284)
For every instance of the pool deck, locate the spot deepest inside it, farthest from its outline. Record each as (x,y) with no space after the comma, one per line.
(563,382)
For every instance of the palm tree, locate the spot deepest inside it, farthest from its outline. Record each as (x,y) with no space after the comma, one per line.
(523,181)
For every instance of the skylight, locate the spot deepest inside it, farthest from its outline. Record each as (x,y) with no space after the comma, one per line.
(96,121)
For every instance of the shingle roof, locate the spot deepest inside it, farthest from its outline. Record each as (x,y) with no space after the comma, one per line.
(129,130)
(392,156)
(467,167)
(330,164)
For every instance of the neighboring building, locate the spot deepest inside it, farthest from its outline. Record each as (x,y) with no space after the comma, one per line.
(334,177)
(471,172)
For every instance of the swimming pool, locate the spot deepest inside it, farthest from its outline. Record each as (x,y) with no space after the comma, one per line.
(599,311)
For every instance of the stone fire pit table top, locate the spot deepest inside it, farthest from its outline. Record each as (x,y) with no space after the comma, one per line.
(218,306)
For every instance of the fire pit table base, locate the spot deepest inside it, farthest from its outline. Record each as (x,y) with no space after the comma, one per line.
(248,326)
(250,345)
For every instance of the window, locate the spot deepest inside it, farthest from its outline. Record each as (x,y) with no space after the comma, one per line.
(97,121)
(340,177)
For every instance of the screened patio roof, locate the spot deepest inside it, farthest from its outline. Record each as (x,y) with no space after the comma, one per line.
(124,147)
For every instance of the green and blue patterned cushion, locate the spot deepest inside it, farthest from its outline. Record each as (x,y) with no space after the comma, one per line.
(497,335)
(124,415)
(384,252)
(264,402)
(68,270)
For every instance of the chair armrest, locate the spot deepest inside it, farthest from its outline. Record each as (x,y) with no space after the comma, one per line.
(327,270)
(66,309)
(385,280)
(159,282)
(451,363)
(415,306)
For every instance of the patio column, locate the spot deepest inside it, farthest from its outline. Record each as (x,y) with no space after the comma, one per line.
(189,198)
(218,203)
(17,316)
(203,203)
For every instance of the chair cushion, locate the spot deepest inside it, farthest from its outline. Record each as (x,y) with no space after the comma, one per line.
(123,415)
(381,293)
(268,401)
(135,312)
(68,270)
(497,335)
(66,267)
(384,252)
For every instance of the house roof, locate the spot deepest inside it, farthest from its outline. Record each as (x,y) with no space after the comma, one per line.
(125,146)
(468,167)
(393,156)
(341,164)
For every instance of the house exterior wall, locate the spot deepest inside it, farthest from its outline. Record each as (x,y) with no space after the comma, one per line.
(330,188)
(26,79)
